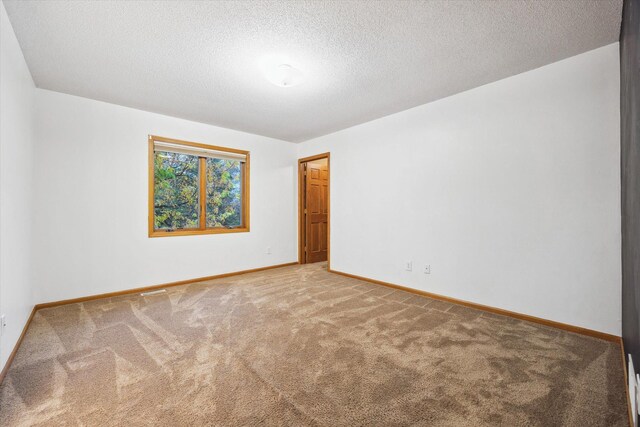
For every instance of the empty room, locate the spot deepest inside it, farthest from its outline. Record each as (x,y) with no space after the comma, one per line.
(320,213)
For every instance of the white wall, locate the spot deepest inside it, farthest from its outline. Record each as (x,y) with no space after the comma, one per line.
(92,189)
(510,191)
(16,119)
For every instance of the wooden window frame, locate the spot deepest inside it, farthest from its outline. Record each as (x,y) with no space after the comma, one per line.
(244,228)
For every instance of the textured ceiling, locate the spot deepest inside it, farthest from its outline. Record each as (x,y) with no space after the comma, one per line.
(361,59)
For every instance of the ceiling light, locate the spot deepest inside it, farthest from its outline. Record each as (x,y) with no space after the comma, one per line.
(284,75)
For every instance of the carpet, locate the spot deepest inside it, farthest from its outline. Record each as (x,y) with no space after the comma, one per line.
(301,346)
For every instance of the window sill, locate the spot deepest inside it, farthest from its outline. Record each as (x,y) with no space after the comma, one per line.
(159,233)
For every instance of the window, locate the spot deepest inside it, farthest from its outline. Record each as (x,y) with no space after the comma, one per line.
(196,188)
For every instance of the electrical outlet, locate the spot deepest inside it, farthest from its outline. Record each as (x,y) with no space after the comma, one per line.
(268,251)
(427,269)
(3,324)
(408,265)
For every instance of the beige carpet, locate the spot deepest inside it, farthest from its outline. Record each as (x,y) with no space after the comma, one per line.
(301,346)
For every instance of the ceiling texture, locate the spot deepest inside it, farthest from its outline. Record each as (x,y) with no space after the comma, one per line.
(361,60)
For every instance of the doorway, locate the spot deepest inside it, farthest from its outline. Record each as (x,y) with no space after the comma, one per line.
(313,209)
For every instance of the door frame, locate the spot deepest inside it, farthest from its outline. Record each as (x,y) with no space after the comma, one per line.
(301,195)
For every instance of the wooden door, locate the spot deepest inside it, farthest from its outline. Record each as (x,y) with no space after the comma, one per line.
(316,209)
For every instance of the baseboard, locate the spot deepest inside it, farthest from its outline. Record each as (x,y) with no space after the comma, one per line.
(153,287)
(15,347)
(520,316)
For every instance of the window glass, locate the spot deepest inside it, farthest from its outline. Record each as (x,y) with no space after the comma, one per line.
(176,191)
(224,193)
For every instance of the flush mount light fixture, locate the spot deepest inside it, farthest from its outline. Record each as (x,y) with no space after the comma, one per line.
(284,75)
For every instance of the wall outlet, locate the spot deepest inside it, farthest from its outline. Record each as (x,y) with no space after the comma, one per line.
(427,269)
(3,324)
(268,251)
(408,265)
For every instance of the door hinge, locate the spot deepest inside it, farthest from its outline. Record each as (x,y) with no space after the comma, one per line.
(305,211)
